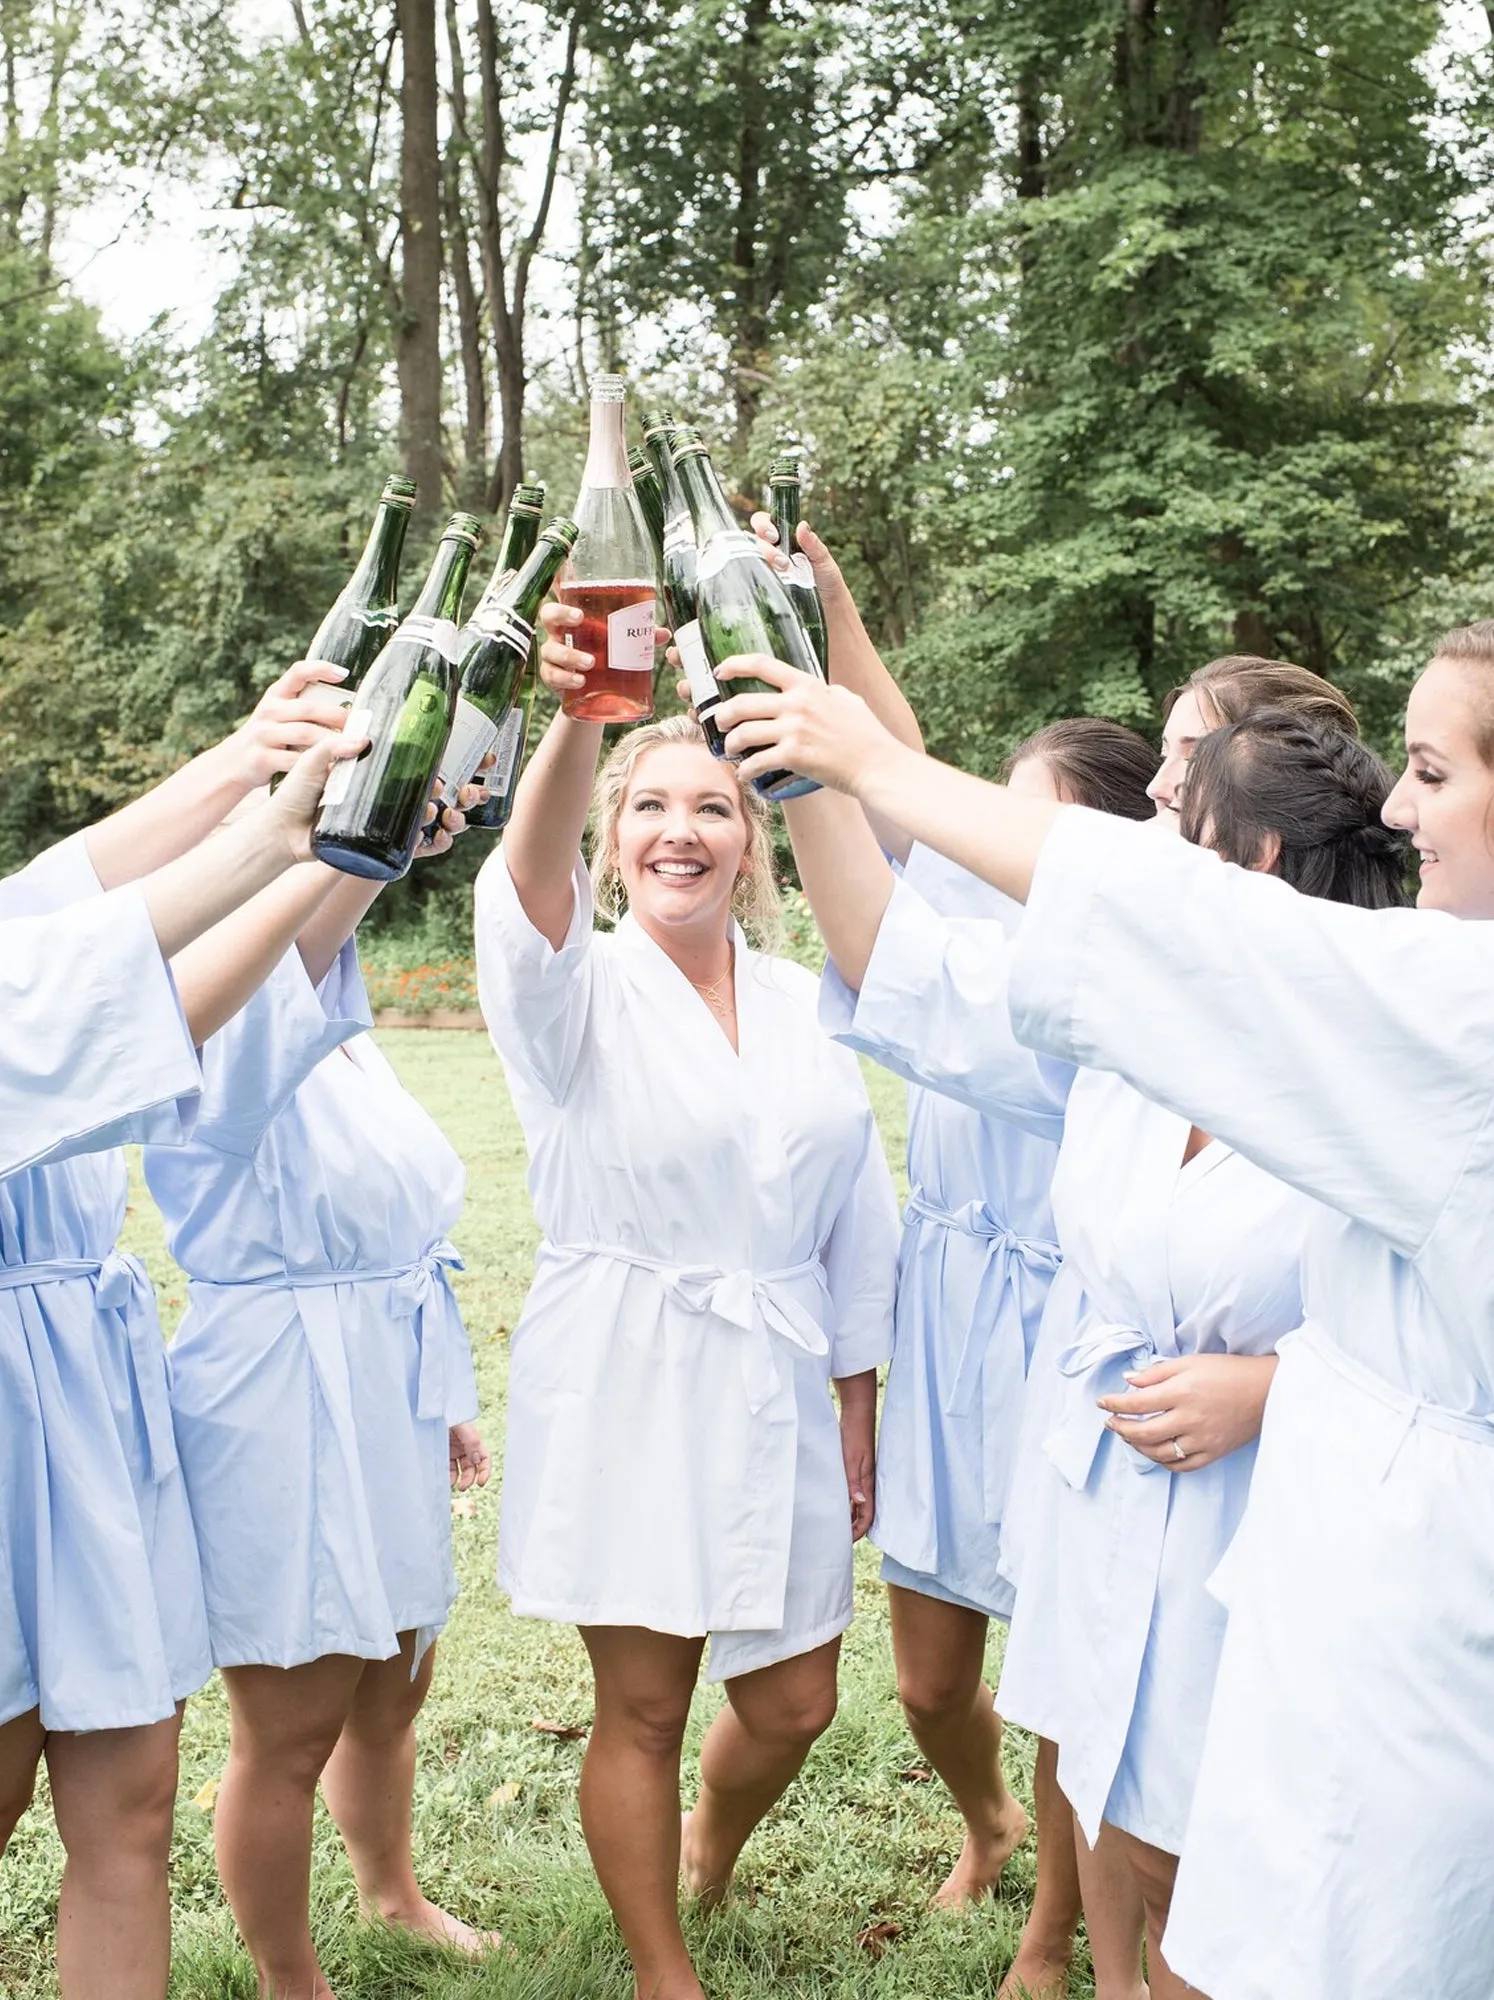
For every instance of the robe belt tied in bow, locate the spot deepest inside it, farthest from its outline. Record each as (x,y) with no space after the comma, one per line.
(413,1288)
(759,1304)
(121,1284)
(981,1373)
(1092,1362)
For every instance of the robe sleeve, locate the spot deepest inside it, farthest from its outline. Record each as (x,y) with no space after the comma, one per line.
(58,877)
(535,1000)
(860,1259)
(255,1064)
(94,1049)
(1348,1052)
(933,1009)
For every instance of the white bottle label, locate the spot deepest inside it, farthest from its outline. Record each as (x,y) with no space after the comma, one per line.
(438,632)
(473,735)
(507,751)
(501,621)
(729,545)
(679,534)
(800,570)
(630,638)
(704,693)
(339,783)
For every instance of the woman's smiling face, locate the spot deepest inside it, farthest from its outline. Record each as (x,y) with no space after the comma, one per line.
(1191,717)
(1445,796)
(682,838)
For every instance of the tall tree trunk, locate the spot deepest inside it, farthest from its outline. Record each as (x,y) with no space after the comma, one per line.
(472,483)
(750,335)
(417,345)
(507,283)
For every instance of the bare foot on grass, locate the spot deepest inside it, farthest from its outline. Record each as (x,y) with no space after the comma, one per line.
(1035,1978)
(982,1858)
(428,1920)
(706,1887)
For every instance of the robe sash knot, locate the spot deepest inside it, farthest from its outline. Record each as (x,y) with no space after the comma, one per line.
(1092,1364)
(419,1291)
(760,1305)
(995,1373)
(121,1284)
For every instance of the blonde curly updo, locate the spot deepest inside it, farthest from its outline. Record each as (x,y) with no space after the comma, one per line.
(755,902)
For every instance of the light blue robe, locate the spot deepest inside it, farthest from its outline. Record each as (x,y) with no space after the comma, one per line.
(94,1051)
(101,1611)
(1115,1641)
(322,1357)
(978,1252)
(1343,1820)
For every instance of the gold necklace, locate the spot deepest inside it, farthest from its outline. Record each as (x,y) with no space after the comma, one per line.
(711,994)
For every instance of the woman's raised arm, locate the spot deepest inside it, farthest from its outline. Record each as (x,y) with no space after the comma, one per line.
(554,796)
(831,734)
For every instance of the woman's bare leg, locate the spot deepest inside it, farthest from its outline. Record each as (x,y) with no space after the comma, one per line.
(113,1791)
(22,1740)
(940,1651)
(1040,1970)
(1114,1916)
(630,1795)
(285,1725)
(369,1786)
(752,1753)
(1155,1872)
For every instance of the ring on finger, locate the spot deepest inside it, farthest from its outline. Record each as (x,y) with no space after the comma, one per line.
(1177,1450)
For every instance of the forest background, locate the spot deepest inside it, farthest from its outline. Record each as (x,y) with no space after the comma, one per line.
(1118,333)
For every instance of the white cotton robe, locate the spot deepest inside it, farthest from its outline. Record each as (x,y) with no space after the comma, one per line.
(94,1051)
(322,1357)
(720,1240)
(1114,1645)
(101,1609)
(1343,1819)
(978,1251)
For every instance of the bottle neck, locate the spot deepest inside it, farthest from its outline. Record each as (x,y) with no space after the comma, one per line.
(376,579)
(607,447)
(526,591)
(709,507)
(442,595)
(675,503)
(785,509)
(520,531)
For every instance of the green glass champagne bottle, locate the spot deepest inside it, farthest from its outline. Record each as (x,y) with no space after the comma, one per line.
(520,531)
(366,613)
(373,806)
(679,569)
(496,648)
(650,498)
(741,603)
(783,490)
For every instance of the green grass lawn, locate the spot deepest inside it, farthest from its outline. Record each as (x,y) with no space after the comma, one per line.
(860,1840)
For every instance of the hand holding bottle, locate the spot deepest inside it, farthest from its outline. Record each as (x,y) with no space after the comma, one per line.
(558,662)
(797,722)
(292,714)
(292,808)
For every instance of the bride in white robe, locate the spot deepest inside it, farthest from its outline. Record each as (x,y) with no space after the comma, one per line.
(720,1244)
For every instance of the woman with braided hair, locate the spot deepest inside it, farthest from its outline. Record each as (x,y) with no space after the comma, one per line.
(1180,1271)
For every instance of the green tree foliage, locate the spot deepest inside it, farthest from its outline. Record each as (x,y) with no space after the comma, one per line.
(1211,399)
(1119,335)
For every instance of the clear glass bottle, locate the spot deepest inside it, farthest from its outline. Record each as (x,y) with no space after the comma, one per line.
(610,575)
